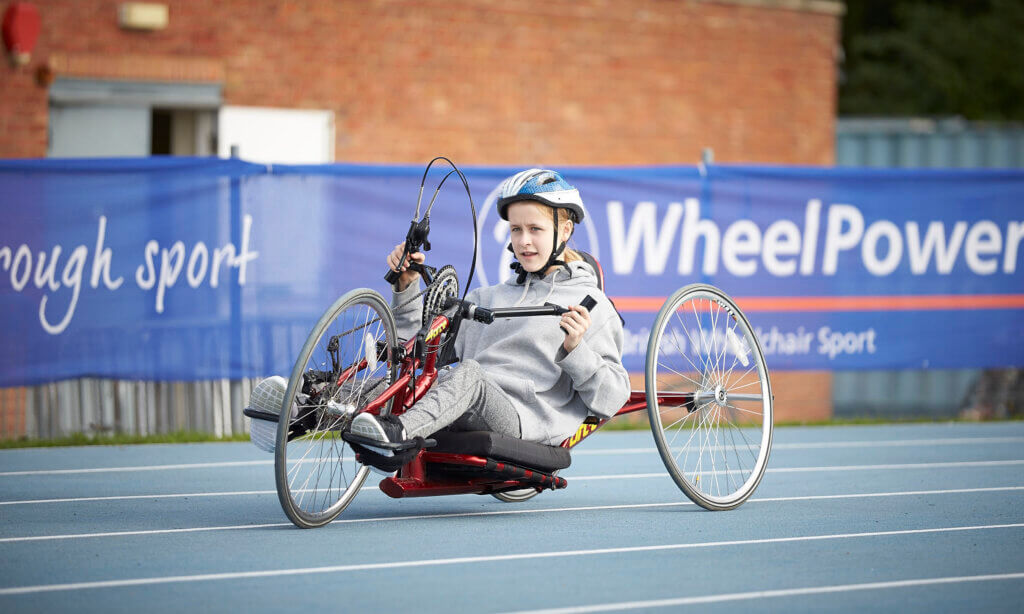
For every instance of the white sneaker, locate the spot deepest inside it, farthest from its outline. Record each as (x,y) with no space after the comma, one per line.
(267,396)
(387,429)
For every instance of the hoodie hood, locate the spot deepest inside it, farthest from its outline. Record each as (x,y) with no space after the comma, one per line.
(579,273)
(572,275)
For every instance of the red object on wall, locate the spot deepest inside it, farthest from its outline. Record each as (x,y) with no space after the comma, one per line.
(21,31)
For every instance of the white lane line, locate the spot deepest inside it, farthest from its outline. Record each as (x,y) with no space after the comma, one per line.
(177,495)
(950,441)
(597,477)
(581,478)
(184,495)
(784,592)
(549,510)
(44,588)
(966,464)
(160,467)
(235,527)
(891,467)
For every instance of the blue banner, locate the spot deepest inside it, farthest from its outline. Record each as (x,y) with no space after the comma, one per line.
(187,268)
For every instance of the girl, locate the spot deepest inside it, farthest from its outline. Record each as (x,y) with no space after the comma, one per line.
(533,378)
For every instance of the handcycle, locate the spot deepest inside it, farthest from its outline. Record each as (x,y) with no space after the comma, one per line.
(706,393)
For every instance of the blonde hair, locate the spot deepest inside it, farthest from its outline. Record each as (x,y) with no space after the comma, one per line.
(568,255)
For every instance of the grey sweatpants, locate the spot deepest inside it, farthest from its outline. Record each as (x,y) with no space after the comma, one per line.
(465,399)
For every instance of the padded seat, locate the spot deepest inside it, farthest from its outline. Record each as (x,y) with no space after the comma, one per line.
(500,447)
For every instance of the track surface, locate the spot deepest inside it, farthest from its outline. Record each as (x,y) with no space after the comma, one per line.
(848,519)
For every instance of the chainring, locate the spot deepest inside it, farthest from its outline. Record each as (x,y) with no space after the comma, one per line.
(445,286)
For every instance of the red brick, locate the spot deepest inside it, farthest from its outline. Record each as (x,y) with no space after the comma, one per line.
(641,82)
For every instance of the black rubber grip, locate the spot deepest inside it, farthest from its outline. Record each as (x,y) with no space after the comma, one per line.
(589,302)
(392,277)
(482,314)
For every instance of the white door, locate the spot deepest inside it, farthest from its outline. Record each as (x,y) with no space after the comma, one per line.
(277,136)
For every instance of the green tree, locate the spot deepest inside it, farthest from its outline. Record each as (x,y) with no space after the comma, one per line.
(910,57)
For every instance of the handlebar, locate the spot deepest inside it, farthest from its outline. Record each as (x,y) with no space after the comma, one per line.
(486,316)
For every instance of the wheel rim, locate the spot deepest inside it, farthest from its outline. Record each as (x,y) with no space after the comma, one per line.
(317,473)
(715,447)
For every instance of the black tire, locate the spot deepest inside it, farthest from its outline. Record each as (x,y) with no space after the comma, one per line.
(715,447)
(316,472)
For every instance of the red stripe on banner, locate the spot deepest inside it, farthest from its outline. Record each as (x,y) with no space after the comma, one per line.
(649,304)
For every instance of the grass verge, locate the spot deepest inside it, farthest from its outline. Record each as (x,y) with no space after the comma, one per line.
(81,439)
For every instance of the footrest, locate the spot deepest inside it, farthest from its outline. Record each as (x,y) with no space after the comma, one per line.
(297,428)
(399,446)
(259,414)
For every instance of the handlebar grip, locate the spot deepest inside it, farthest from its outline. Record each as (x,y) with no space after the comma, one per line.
(392,277)
(482,314)
(589,302)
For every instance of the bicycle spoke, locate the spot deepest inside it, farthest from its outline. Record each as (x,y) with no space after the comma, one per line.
(700,329)
(747,385)
(716,353)
(697,351)
(675,341)
(746,411)
(750,446)
(695,382)
(711,453)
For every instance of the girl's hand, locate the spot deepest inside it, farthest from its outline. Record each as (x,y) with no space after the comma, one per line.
(574,323)
(407,276)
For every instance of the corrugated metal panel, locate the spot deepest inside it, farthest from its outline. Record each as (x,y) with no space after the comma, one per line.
(903,394)
(928,143)
(915,143)
(102,406)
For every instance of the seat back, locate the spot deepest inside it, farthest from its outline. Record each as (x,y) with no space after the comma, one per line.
(594,264)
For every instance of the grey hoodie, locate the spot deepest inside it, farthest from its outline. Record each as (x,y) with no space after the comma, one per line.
(552,390)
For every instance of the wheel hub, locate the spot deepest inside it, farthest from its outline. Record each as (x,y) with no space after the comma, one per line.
(721,396)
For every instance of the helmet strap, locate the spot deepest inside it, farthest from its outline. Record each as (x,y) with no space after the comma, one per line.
(556,249)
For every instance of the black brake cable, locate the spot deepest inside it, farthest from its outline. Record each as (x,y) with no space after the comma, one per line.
(426,216)
(472,207)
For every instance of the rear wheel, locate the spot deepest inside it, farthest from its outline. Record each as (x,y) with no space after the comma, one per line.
(709,399)
(316,471)
(516,496)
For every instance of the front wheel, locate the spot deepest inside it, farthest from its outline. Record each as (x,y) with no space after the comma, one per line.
(709,400)
(345,363)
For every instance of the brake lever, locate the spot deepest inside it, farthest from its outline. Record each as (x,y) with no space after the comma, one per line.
(416,239)
(425,270)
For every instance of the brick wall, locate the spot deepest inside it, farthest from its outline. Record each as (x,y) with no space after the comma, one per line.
(553,82)
(490,81)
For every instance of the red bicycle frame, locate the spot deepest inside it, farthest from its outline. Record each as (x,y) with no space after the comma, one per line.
(412,480)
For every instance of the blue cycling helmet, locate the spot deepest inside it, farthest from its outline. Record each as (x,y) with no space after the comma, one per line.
(543,186)
(547,188)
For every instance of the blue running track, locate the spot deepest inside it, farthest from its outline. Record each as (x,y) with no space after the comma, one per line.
(908,518)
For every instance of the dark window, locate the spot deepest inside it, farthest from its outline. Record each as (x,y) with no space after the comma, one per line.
(160,141)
